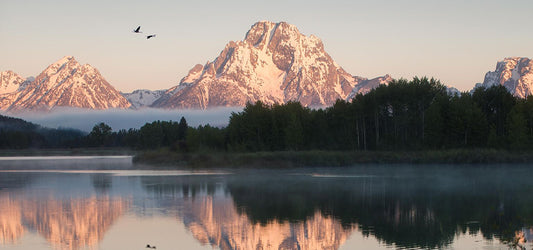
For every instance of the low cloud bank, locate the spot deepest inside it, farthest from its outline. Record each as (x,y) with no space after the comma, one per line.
(84,120)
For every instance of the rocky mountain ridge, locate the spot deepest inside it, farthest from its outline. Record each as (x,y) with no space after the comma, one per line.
(275,63)
(64,83)
(515,73)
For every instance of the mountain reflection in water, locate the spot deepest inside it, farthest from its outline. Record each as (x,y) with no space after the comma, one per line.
(66,224)
(399,207)
(217,222)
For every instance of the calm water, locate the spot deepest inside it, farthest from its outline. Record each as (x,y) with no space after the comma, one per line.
(102,203)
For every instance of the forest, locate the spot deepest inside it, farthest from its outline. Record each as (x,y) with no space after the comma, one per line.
(403,115)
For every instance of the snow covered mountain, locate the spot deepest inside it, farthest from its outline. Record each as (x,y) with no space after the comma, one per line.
(142,97)
(515,73)
(365,85)
(11,85)
(66,83)
(274,63)
(10,82)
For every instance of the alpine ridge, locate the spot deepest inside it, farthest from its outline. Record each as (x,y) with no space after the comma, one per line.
(274,63)
(65,83)
(515,73)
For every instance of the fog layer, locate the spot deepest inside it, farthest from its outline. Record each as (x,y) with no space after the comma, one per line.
(125,119)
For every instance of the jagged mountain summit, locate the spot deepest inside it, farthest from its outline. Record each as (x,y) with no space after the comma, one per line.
(275,63)
(66,83)
(143,97)
(515,73)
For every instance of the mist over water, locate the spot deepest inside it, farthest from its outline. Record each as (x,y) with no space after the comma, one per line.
(125,119)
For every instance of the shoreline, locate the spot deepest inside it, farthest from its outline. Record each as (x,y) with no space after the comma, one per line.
(287,159)
(166,158)
(67,152)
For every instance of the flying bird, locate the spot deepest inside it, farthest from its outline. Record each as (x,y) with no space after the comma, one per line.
(150,36)
(137,30)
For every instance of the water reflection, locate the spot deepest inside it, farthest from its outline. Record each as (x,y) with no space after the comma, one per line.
(413,209)
(216,221)
(523,236)
(66,224)
(397,207)
(11,228)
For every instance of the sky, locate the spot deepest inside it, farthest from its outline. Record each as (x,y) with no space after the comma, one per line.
(454,41)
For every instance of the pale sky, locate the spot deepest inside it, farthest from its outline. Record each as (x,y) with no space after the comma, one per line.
(454,41)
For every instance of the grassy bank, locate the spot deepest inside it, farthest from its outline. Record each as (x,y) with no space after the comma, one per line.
(329,158)
(283,159)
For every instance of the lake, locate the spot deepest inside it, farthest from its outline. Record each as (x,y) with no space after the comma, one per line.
(107,203)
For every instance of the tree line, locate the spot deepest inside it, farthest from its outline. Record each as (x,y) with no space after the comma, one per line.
(403,115)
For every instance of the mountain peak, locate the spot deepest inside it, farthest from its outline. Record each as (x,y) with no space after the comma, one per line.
(64,60)
(514,58)
(268,26)
(67,58)
(266,34)
(515,73)
(275,63)
(67,83)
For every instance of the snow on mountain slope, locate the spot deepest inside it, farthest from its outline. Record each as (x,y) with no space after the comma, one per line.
(66,83)
(365,85)
(274,63)
(515,73)
(11,84)
(142,97)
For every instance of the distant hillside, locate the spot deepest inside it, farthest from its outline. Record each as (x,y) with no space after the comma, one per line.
(16,133)
(16,124)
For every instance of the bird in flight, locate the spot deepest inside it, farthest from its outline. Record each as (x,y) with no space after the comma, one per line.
(137,30)
(150,36)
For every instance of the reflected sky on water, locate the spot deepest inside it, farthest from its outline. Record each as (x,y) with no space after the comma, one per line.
(99,205)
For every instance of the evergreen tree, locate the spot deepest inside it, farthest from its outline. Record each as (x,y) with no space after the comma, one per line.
(100,135)
(182,128)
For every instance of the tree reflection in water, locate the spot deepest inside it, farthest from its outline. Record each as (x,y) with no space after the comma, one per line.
(413,209)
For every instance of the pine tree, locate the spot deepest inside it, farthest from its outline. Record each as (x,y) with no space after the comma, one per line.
(182,128)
